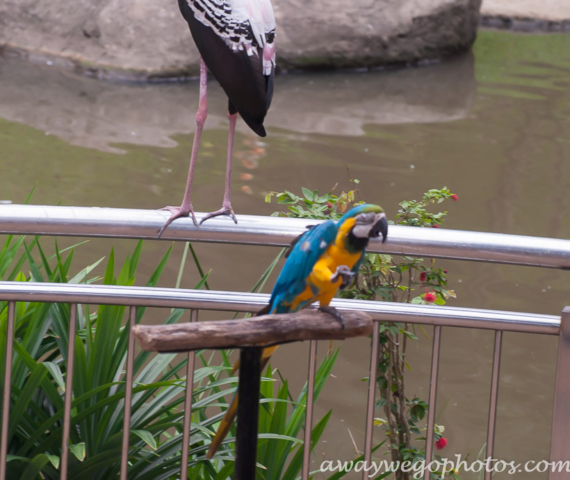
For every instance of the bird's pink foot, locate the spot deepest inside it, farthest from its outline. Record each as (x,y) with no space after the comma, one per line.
(225,210)
(177,212)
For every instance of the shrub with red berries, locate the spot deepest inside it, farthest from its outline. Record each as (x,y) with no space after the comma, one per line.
(383,277)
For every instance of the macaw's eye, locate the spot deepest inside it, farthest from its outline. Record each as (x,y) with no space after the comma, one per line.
(365,218)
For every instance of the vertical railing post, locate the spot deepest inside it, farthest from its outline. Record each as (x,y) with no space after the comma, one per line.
(128,394)
(432,399)
(309,410)
(68,390)
(371,401)
(494,398)
(188,406)
(560,442)
(7,390)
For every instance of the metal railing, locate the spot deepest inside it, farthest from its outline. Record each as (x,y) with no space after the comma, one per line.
(257,230)
(270,231)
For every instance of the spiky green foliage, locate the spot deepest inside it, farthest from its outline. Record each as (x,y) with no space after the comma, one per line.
(280,452)
(39,372)
(155,443)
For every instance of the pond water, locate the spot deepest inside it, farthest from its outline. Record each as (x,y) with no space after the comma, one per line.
(493,126)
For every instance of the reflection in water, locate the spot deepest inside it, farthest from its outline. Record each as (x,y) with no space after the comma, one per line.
(343,104)
(92,114)
(497,135)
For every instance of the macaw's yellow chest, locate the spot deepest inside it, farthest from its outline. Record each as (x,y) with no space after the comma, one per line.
(320,287)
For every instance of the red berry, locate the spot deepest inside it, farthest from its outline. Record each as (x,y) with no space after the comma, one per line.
(441,443)
(423,277)
(454,197)
(429,297)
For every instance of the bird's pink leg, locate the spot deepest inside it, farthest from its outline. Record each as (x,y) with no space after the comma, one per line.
(186,208)
(226,204)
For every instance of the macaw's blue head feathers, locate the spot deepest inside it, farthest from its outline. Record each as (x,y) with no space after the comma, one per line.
(370,221)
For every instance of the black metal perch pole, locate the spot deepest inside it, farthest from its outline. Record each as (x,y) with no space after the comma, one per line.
(250,335)
(248,413)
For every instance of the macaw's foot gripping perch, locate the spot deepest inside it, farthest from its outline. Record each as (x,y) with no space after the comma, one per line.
(335,313)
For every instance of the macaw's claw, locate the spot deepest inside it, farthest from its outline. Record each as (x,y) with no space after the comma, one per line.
(226,210)
(177,212)
(335,313)
(345,273)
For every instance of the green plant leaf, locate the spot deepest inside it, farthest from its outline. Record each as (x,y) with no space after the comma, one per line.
(226,471)
(35,467)
(198,266)
(11,458)
(56,374)
(297,462)
(78,449)
(30,387)
(307,193)
(54,460)
(146,437)
(81,277)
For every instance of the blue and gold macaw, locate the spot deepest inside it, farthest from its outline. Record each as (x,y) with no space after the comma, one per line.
(320,261)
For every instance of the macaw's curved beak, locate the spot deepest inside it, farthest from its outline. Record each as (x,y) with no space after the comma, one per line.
(381,227)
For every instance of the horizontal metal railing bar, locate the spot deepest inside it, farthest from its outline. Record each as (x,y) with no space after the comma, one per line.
(253,302)
(258,230)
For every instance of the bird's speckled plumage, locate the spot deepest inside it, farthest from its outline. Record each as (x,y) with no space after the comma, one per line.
(243,24)
(236,39)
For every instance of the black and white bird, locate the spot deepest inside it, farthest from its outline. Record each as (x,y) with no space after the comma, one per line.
(236,41)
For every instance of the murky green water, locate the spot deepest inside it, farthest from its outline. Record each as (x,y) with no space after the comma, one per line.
(493,126)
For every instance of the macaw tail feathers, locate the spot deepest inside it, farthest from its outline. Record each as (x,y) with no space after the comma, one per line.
(229,417)
(265,356)
(224,428)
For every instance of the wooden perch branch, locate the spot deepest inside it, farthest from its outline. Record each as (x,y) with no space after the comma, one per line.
(252,332)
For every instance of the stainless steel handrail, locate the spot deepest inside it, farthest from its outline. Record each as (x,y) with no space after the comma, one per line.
(253,302)
(258,230)
(196,300)
(255,230)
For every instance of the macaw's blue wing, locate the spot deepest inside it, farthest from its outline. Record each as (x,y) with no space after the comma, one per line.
(306,251)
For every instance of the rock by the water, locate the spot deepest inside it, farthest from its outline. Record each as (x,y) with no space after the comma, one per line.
(149,40)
